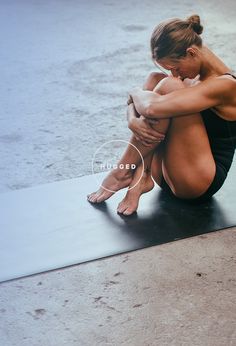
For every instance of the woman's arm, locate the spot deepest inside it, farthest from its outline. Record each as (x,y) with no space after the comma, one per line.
(141,128)
(207,94)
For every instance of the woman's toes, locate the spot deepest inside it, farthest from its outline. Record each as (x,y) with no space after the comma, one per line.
(89,197)
(125,208)
(99,196)
(95,199)
(121,207)
(92,197)
(128,211)
(102,197)
(99,199)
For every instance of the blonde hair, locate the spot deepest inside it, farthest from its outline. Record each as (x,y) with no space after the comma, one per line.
(172,37)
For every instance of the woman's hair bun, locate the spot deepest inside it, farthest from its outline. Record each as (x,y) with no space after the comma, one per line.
(195,23)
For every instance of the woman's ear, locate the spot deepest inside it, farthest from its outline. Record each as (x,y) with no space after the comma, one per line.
(191,52)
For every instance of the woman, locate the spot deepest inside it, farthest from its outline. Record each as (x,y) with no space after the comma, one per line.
(184,125)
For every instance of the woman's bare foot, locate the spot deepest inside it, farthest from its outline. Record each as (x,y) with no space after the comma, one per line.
(130,203)
(113,182)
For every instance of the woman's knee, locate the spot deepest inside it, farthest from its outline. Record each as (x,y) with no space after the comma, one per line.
(152,80)
(193,187)
(169,84)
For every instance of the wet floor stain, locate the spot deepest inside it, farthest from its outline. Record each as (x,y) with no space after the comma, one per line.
(137,305)
(10,138)
(37,314)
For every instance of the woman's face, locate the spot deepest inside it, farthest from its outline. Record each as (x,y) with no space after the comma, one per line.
(186,67)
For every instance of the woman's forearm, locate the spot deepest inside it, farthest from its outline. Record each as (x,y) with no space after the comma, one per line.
(179,102)
(142,101)
(155,106)
(132,116)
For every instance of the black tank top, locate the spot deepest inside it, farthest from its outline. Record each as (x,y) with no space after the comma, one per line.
(218,128)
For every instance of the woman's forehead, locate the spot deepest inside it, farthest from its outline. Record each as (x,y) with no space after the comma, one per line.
(168,63)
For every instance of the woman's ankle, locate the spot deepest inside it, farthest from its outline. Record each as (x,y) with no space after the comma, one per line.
(123,171)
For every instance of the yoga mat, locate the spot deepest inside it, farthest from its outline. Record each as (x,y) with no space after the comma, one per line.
(53,225)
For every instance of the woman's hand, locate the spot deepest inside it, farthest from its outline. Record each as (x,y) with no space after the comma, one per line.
(130,100)
(144,132)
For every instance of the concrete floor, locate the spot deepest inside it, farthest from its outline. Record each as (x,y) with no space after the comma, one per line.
(56,77)
(180,293)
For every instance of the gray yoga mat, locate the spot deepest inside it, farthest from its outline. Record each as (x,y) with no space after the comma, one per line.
(53,225)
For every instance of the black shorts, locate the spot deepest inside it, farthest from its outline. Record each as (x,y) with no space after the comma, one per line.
(223,153)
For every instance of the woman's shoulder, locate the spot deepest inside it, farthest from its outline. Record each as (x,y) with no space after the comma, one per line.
(223,85)
(227,83)
(229,75)
(227,78)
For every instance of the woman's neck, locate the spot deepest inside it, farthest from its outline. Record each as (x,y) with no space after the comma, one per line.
(211,65)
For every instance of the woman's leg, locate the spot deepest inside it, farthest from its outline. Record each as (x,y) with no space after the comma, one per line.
(142,181)
(188,165)
(152,163)
(184,158)
(120,178)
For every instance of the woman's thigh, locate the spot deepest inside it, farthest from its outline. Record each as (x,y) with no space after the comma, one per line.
(188,165)
(187,162)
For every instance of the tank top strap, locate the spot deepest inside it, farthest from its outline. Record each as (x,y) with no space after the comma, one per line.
(230,74)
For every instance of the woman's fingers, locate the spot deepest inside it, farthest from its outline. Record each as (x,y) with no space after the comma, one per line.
(152,121)
(144,132)
(152,132)
(146,142)
(149,138)
(154,137)
(130,100)
(144,137)
(142,140)
(155,133)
